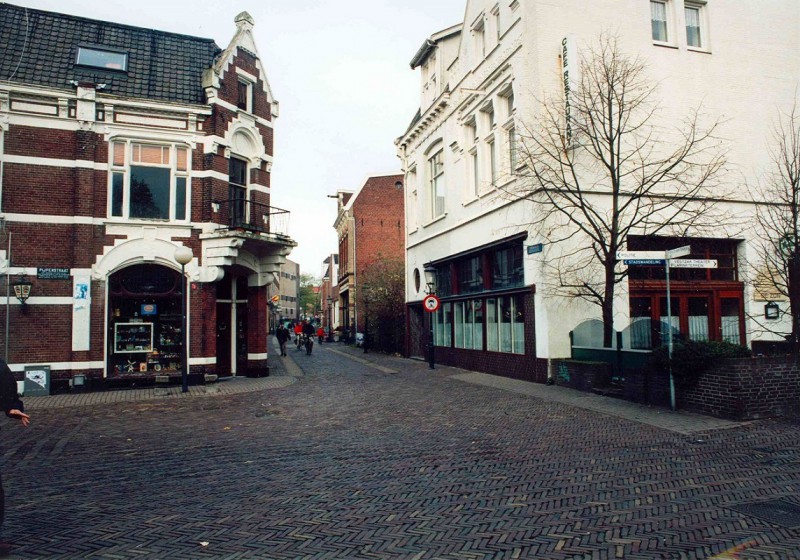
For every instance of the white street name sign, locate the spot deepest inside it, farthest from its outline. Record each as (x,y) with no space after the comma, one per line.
(693,263)
(638,255)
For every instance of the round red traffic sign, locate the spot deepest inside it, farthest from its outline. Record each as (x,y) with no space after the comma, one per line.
(431,303)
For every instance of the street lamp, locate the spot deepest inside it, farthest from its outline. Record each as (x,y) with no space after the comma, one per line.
(366,299)
(183,256)
(330,319)
(430,289)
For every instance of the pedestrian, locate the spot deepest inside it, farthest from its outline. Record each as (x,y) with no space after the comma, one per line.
(298,333)
(282,334)
(320,334)
(12,406)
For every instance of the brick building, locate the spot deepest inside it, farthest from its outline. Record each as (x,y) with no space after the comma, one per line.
(118,146)
(370,227)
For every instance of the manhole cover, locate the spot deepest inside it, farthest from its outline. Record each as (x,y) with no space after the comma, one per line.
(775,511)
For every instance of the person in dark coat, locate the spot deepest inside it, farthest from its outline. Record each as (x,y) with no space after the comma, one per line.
(12,406)
(282,334)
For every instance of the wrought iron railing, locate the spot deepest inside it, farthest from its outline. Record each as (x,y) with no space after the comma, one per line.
(252,216)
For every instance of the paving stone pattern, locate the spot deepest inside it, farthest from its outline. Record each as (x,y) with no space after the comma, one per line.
(364,456)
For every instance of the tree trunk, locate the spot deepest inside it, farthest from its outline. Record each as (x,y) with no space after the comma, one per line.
(608,305)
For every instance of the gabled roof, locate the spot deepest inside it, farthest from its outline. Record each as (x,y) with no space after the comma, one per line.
(39,48)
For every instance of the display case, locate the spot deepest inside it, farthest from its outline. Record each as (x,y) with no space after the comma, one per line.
(130,338)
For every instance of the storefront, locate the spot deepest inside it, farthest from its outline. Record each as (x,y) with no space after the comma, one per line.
(144,327)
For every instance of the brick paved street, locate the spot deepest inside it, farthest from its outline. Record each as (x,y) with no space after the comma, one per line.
(354,459)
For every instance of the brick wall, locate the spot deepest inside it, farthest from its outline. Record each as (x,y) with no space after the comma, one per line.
(583,376)
(746,389)
(379,225)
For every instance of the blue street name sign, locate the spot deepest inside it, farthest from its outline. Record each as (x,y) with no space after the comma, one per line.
(644,261)
(534,248)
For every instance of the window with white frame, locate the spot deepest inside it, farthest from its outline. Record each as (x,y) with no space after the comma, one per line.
(492,150)
(695,34)
(244,95)
(471,141)
(149,181)
(513,156)
(479,38)
(659,11)
(237,191)
(436,183)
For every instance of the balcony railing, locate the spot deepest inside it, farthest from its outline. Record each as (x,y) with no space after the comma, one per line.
(252,217)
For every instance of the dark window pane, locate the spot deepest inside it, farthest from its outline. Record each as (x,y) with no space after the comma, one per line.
(102,59)
(242,93)
(237,171)
(117,186)
(149,192)
(180,198)
(470,278)
(507,268)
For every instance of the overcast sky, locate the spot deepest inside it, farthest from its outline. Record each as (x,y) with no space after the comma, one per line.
(339,69)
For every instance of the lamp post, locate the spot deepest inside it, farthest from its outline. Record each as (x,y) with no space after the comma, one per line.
(366,299)
(183,256)
(330,319)
(430,289)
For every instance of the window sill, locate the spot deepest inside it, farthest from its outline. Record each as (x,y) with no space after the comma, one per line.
(413,231)
(434,220)
(665,45)
(698,50)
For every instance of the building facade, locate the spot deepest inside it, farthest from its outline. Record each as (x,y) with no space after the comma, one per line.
(484,81)
(118,146)
(370,228)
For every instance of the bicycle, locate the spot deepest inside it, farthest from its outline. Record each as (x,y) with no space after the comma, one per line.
(307,342)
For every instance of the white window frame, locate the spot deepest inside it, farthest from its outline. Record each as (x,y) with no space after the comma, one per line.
(702,15)
(668,23)
(436,186)
(479,37)
(124,170)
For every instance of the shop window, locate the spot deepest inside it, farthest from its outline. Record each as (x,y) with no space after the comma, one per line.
(149,181)
(468,324)
(470,275)
(507,269)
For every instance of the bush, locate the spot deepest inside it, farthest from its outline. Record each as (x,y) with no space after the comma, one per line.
(691,359)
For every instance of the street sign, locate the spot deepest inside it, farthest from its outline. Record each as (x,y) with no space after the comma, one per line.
(660,262)
(537,248)
(693,263)
(622,255)
(679,252)
(430,303)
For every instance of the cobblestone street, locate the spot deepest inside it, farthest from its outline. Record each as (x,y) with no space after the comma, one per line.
(354,455)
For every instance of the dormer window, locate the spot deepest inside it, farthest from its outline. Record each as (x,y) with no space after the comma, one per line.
(102,58)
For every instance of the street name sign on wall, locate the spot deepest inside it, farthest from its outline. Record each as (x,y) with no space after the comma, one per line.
(52,273)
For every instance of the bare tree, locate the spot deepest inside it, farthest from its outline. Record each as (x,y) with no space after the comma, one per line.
(601,168)
(778,215)
(384,281)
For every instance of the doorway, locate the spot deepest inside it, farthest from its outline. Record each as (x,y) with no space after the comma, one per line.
(232,326)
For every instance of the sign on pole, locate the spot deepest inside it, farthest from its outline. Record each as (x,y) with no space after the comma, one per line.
(693,263)
(679,252)
(430,303)
(658,262)
(622,255)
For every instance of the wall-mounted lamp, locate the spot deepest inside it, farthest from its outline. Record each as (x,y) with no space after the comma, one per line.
(22,289)
(772,310)
(430,279)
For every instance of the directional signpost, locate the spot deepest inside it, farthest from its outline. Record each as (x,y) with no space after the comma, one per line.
(670,259)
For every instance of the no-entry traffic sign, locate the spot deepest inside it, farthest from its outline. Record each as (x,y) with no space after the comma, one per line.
(430,303)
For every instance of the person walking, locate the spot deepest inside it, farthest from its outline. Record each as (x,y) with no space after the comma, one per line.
(12,406)
(282,334)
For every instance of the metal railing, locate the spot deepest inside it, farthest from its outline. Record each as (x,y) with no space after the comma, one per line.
(252,216)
